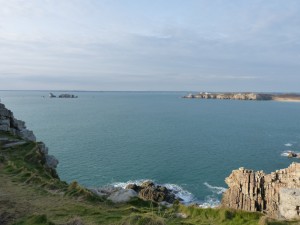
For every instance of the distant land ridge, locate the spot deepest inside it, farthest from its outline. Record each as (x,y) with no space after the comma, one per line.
(245,96)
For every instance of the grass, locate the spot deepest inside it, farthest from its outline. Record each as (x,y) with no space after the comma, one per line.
(31,194)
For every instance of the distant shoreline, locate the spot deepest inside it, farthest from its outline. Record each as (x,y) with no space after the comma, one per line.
(248,96)
(286,100)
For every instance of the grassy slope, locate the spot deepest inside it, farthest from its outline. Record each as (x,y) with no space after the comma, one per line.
(30,195)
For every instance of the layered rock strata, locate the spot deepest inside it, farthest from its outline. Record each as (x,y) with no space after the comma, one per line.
(276,194)
(8,123)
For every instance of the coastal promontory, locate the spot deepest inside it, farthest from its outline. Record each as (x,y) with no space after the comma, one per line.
(245,96)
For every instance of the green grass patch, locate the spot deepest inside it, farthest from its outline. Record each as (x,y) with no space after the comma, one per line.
(35,220)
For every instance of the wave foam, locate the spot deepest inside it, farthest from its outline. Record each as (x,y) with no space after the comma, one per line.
(179,192)
(286,153)
(210,202)
(288,144)
(215,189)
(124,184)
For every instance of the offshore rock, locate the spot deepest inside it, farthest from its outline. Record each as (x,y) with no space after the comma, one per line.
(276,194)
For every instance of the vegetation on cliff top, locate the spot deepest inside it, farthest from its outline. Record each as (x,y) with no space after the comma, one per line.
(32,194)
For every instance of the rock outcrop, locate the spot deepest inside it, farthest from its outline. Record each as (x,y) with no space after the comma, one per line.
(276,194)
(149,191)
(146,191)
(8,123)
(17,127)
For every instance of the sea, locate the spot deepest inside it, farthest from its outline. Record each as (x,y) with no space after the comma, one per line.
(188,145)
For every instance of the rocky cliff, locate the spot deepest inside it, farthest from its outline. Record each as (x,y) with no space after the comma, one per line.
(9,124)
(276,194)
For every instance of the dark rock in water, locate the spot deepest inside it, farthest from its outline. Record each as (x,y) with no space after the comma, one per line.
(292,154)
(149,191)
(133,187)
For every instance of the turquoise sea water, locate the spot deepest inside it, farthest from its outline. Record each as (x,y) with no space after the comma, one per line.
(113,137)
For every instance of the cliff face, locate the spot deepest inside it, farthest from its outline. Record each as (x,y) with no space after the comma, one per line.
(8,123)
(17,127)
(276,194)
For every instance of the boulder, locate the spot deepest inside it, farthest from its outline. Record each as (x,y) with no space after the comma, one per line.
(149,191)
(18,124)
(51,161)
(292,154)
(122,195)
(147,184)
(43,148)
(133,187)
(26,135)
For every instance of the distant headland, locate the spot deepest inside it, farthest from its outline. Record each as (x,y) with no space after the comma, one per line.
(245,96)
(51,95)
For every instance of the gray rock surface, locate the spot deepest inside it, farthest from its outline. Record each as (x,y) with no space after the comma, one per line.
(26,135)
(289,205)
(149,191)
(122,195)
(51,161)
(4,128)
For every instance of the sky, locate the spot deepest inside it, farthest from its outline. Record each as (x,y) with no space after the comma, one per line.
(143,45)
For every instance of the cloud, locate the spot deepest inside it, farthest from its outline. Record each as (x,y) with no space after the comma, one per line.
(123,45)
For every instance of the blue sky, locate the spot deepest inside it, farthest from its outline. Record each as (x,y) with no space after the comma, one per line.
(214,45)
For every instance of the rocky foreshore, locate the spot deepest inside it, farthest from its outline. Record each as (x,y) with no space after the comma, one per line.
(276,194)
(147,191)
(245,96)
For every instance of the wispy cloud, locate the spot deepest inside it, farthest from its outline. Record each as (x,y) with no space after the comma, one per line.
(165,44)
